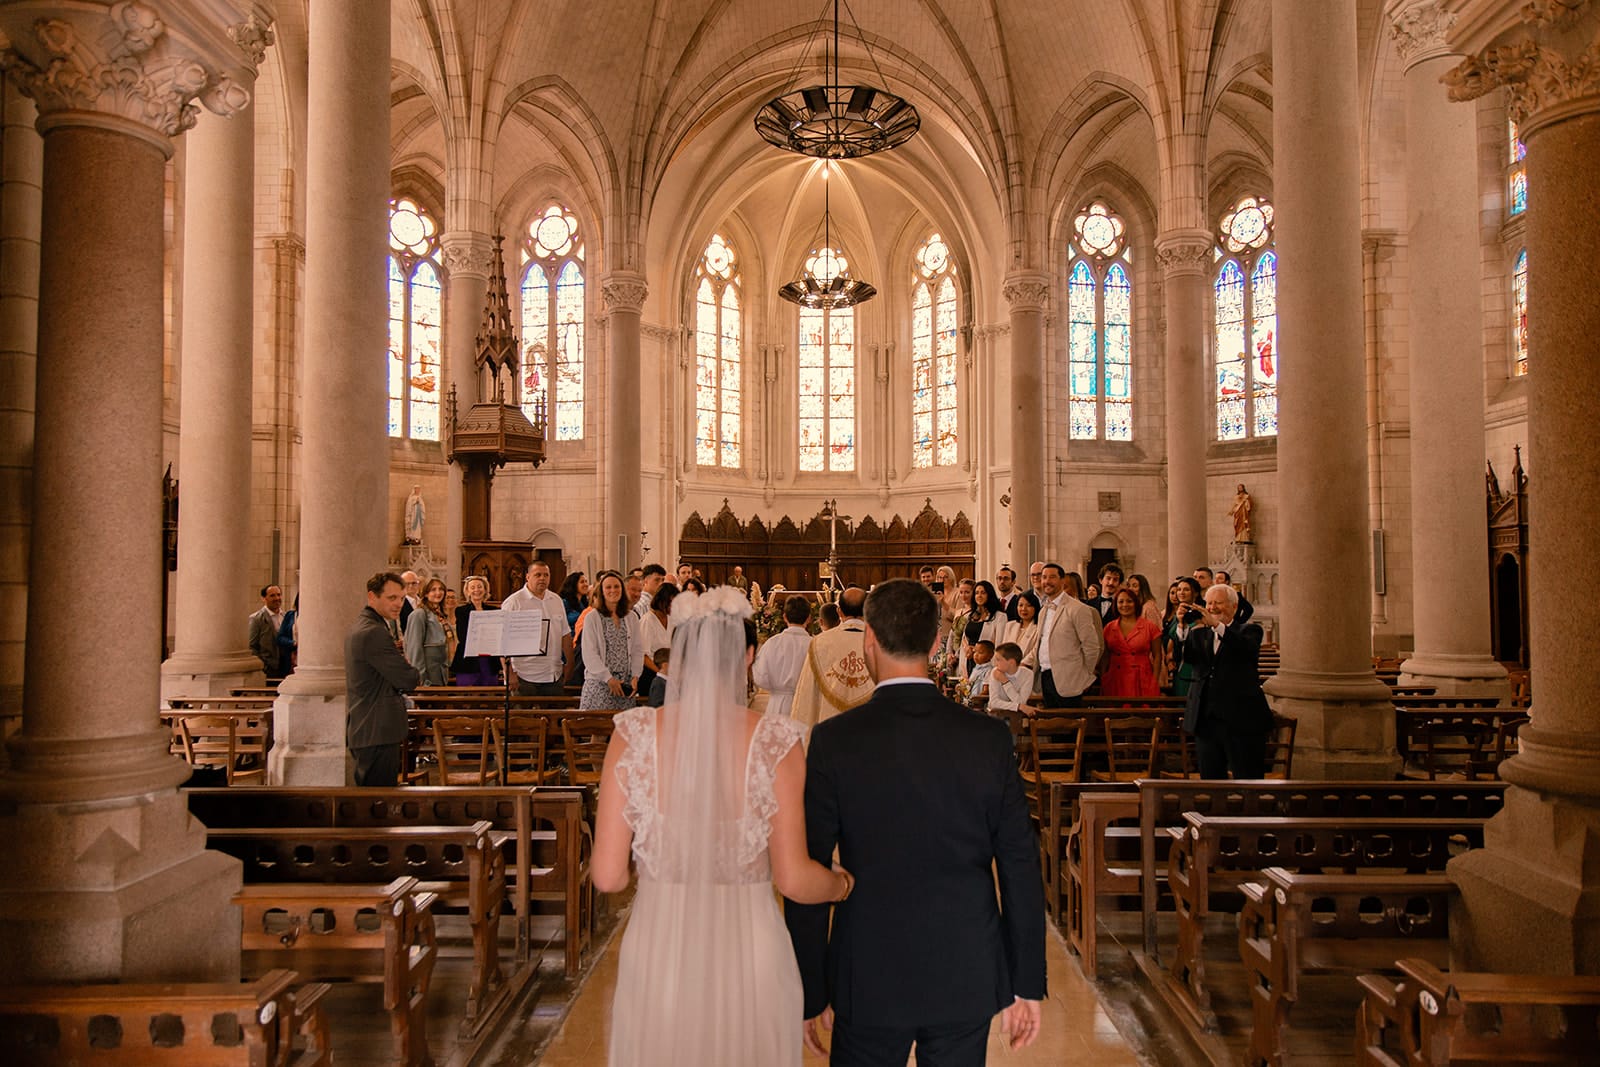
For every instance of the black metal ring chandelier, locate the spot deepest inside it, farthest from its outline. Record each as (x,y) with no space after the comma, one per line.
(834,121)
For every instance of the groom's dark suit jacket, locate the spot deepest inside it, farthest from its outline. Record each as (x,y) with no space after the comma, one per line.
(924,801)
(1225,696)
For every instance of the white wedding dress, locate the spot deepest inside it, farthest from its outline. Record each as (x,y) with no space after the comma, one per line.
(707,975)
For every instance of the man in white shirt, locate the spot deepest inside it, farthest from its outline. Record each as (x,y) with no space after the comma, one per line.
(544,674)
(650,580)
(1010,683)
(777,665)
(1070,640)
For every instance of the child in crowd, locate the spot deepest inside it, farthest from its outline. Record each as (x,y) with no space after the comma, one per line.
(1009,683)
(658,685)
(978,677)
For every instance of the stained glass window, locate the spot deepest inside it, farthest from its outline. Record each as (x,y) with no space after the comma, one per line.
(827,417)
(1246,323)
(552,321)
(718,358)
(416,322)
(1519,311)
(935,433)
(1099,328)
(1517,172)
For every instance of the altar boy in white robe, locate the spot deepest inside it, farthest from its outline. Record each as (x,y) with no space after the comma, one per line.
(777,666)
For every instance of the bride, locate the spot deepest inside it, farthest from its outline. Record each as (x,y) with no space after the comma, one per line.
(707,796)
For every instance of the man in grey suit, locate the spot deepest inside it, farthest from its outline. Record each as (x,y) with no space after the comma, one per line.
(377,677)
(264,631)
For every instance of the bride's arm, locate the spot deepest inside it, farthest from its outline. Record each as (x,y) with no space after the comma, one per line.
(613,837)
(797,876)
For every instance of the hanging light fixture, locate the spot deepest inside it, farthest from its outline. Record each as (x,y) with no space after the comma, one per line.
(825,282)
(834,121)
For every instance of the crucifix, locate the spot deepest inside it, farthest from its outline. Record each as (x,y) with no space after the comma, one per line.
(830,511)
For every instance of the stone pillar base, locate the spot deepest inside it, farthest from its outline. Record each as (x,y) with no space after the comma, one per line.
(1531,896)
(209,676)
(308,721)
(1345,724)
(116,891)
(1457,676)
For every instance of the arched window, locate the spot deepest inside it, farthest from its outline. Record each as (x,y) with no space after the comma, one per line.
(1099,328)
(718,346)
(827,377)
(935,434)
(552,321)
(1247,323)
(1519,311)
(1516,171)
(416,306)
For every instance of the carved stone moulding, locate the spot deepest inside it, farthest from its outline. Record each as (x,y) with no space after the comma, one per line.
(1547,60)
(624,291)
(152,65)
(1027,291)
(1185,252)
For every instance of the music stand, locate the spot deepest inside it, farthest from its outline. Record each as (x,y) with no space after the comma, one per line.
(506,634)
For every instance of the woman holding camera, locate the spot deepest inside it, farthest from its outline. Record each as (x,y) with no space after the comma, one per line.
(612,654)
(1186,605)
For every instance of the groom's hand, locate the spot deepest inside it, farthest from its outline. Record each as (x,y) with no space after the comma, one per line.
(1019,1024)
(813,1031)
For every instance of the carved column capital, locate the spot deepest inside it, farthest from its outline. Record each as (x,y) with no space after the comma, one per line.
(1548,63)
(98,63)
(467,253)
(253,36)
(1184,252)
(624,291)
(1420,30)
(1027,290)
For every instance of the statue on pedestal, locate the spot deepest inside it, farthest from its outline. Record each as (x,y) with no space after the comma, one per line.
(1242,507)
(416,513)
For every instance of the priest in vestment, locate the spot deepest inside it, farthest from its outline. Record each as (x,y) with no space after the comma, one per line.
(834,677)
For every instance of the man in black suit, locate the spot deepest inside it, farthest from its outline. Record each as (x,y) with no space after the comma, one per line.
(923,799)
(1227,714)
(377,677)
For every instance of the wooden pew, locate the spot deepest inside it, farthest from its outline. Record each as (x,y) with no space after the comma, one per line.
(1093,864)
(257,1024)
(1162,804)
(420,742)
(1362,922)
(1457,742)
(1433,1018)
(355,933)
(1214,853)
(457,865)
(544,834)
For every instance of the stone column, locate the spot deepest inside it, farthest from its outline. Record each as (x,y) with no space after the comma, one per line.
(1185,257)
(468,257)
(1532,894)
(345,457)
(624,293)
(21,163)
(211,654)
(1345,713)
(1027,292)
(1449,575)
(107,877)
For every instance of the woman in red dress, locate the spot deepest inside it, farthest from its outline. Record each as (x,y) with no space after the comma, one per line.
(1131,661)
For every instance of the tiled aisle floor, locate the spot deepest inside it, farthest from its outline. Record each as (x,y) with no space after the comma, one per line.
(1076,1028)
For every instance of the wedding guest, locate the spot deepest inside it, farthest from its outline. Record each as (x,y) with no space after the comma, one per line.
(1010,684)
(658,684)
(978,676)
(984,623)
(655,629)
(612,653)
(1179,670)
(1132,651)
(430,637)
(1024,632)
(828,616)
(473,670)
(575,595)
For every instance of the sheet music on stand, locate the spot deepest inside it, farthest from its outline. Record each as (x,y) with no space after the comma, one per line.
(507,633)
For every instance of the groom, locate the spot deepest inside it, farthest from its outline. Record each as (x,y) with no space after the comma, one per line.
(924,801)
